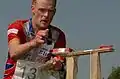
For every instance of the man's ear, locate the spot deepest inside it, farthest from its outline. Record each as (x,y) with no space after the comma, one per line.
(33,9)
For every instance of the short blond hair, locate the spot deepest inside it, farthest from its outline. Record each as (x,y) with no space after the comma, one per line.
(34,1)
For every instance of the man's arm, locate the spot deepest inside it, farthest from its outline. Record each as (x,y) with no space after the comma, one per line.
(16,50)
(16,34)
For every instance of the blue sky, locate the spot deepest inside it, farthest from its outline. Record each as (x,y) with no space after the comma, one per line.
(86,23)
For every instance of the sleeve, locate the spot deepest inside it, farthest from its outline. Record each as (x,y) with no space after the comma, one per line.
(13,31)
(61,42)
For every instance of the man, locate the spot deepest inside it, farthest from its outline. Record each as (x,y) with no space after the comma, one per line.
(30,41)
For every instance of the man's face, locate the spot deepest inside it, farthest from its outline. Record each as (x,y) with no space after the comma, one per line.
(43,12)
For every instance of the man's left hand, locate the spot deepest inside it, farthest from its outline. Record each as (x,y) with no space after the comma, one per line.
(57,64)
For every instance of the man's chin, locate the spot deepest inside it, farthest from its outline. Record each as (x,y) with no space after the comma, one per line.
(43,27)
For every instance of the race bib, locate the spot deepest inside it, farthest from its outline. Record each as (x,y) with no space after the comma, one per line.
(26,70)
(31,70)
(43,52)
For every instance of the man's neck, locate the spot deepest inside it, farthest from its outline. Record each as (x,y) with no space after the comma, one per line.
(35,29)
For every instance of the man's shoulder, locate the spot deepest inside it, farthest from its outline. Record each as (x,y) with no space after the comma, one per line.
(17,24)
(57,28)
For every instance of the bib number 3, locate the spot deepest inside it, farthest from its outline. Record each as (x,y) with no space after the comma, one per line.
(31,73)
(26,70)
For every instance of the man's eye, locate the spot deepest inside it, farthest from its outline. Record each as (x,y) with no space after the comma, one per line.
(42,10)
(51,10)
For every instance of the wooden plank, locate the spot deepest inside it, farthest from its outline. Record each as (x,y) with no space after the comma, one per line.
(71,66)
(83,52)
(95,66)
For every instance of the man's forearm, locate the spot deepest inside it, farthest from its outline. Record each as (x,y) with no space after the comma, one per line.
(19,50)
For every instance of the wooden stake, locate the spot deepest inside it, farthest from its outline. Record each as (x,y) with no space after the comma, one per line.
(71,64)
(95,66)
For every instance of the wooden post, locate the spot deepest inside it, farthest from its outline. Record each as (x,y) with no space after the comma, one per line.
(71,66)
(95,66)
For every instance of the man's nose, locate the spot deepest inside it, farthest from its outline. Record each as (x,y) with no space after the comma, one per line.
(46,13)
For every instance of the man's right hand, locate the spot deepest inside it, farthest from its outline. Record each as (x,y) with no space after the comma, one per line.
(17,49)
(40,38)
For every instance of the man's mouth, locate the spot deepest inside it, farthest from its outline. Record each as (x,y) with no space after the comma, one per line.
(44,21)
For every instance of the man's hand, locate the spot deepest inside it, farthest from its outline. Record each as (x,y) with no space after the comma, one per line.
(40,38)
(57,64)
